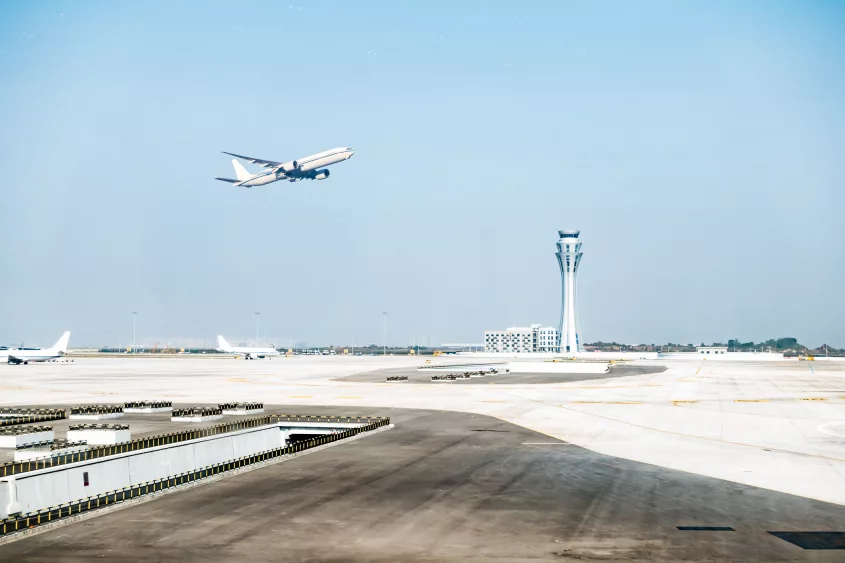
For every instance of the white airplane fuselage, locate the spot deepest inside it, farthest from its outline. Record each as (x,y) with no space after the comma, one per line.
(248,352)
(252,353)
(307,168)
(26,355)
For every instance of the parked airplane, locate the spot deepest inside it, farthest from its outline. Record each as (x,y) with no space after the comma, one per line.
(26,355)
(308,168)
(248,353)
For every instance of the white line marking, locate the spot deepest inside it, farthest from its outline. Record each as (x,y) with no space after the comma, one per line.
(546,444)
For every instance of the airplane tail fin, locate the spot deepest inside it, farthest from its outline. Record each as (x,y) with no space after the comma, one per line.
(221,342)
(241,172)
(61,345)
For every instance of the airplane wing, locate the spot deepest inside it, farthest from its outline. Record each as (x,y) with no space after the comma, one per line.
(258,161)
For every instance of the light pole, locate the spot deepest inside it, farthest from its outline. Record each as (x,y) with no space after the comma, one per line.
(134,346)
(384,315)
(256,327)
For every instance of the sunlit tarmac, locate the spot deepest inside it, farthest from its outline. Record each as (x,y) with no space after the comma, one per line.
(776,425)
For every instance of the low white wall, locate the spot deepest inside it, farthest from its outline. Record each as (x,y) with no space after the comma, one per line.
(551,355)
(146,410)
(730,356)
(240,412)
(617,355)
(101,416)
(99,437)
(15,440)
(59,485)
(558,367)
(196,418)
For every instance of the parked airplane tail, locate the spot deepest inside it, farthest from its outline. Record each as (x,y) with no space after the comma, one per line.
(221,343)
(241,172)
(61,345)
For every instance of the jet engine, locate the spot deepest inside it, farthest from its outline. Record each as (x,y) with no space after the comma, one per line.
(321,174)
(290,166)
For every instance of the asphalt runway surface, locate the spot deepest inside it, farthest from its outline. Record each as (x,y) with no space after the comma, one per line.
(445,486)
(424,376)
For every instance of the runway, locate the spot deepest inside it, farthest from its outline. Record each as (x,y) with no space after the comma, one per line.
(775,425)
(445,486)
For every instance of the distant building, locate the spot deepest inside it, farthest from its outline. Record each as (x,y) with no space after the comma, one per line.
(711,349)
(521,339)
(547,339)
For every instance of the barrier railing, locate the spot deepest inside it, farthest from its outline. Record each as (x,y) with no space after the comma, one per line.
(17,467)
(147,404)
(74,427)
(16,411)
(32,519)
(51,445)
(93,410)
(30,418)
(326,418)
(19,430)
(243,406)
(197,412)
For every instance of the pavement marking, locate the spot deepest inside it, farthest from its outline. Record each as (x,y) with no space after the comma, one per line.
(606,402)
(706,528)
(547,444)
(299,397)
(813,399)
(238,379)
(349,397)
(751,400)
(615,386)
(683,402)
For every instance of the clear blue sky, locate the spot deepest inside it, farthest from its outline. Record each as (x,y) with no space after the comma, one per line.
(699,147)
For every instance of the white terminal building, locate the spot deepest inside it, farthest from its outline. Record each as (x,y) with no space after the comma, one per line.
(522,339)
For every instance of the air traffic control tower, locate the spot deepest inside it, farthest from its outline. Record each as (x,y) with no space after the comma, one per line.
(568,257)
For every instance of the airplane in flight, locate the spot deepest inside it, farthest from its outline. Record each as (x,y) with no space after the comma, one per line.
(26,355)
(246,352)
(308,168)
